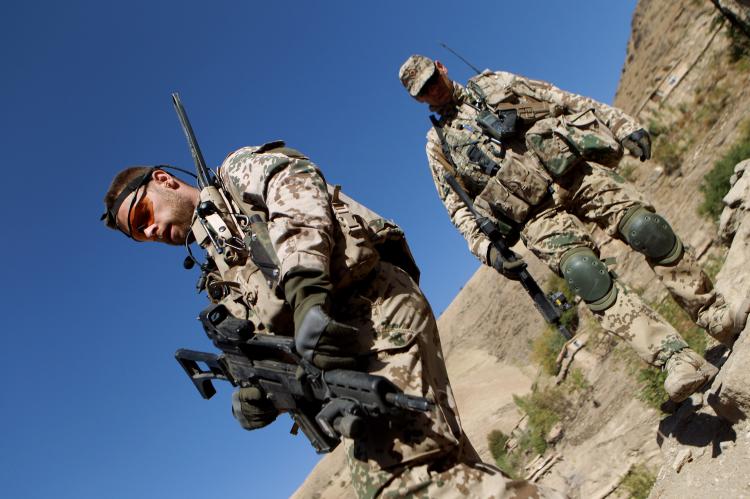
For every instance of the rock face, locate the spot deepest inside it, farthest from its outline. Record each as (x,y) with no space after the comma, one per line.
(708,441)
(676,74)
(730,393)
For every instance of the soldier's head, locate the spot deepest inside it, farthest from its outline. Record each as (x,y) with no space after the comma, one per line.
(426,80)
(149,204)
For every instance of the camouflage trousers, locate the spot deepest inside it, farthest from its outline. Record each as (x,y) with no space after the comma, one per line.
(419,455)
(599,195)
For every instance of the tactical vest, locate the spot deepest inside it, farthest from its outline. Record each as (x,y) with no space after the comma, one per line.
(505,184)
(251,287)
(510,178)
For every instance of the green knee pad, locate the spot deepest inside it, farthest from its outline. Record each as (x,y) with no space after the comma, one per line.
(589,278)
(650,234)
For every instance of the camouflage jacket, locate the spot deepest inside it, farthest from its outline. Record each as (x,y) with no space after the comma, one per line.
(301,222)
(459,129)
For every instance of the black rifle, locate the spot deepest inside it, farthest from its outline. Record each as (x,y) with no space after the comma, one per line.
(551,307)
(325,405)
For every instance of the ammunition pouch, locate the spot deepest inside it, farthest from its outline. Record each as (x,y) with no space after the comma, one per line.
(562,142)
(516,188)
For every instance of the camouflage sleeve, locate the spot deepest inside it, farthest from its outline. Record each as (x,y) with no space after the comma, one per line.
(621,123)
(460,215)
(293,191)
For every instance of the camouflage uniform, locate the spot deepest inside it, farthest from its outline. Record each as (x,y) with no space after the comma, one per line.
(550,210)
(305,223)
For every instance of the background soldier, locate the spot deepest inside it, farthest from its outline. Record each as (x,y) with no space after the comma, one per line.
(539,161)
(331,258)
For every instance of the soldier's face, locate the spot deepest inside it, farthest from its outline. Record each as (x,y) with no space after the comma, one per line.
(162,212)
(438,90)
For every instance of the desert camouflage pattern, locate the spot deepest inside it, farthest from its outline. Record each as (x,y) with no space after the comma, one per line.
(398,335)
(415,72)
(588,192)
(294,196)
(460,130)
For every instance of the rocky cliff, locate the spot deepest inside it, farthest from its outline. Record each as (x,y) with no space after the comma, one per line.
(686,78)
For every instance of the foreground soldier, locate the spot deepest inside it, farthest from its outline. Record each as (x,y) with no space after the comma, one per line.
(538,161)
(342,281)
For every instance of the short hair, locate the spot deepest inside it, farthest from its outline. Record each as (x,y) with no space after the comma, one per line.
(120,181)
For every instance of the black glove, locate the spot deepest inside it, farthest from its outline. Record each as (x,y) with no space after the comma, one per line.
(509,269)
(639,144)
(252,409)
(326,343)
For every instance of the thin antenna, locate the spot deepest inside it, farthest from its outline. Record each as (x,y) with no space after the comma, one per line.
(459,56)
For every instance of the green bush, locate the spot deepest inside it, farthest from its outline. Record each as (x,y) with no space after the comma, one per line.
(638,482)
(510,463)
(652,391)
(545,348)
(716,182)
(656,128)
(543,408)
(577,381)
(669,152)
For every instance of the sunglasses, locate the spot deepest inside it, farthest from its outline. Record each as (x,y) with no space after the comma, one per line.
(140,211)
(140,216)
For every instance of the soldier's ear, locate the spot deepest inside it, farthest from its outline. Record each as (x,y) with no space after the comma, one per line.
(441,67)
(164,179)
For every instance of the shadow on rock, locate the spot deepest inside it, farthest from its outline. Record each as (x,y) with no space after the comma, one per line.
(697,429)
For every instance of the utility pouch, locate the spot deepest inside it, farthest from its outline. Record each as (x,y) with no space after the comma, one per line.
(524,177)
(497,202)
(357,250)
(251,298)
(381,236)
(552,150)
(560,143)
(591,138)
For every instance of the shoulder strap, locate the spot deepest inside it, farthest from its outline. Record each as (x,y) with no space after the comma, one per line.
(450,165)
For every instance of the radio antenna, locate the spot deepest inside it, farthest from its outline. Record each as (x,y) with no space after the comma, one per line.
(446,47)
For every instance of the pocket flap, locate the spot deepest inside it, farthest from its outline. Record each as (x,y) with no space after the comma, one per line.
(393,339)
(582,119)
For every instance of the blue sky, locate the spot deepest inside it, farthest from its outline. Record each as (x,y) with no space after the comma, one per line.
(94,404)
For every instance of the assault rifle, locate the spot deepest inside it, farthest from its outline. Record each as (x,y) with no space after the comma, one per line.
(325,405)
(551,307)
